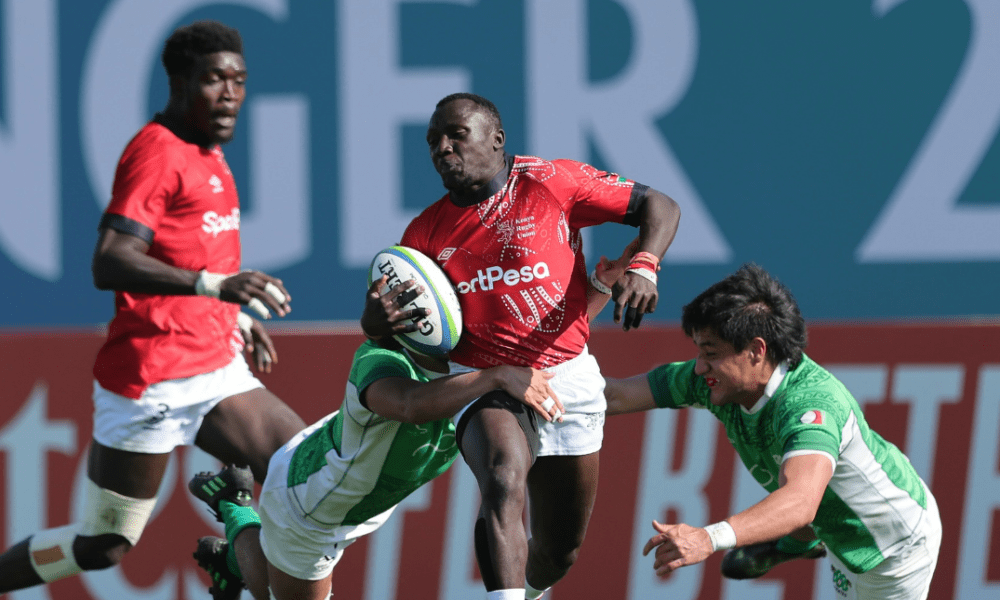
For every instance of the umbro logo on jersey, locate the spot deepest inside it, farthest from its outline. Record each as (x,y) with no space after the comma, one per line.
(216,184)
(447,252)
(214,223)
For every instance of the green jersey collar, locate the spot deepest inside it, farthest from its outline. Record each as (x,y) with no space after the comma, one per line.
(772,386)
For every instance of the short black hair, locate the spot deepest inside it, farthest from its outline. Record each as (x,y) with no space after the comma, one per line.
(748,304)
(484,103)
(188,43)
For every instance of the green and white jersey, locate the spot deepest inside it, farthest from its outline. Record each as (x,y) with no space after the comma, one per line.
(875,499)
(359,464)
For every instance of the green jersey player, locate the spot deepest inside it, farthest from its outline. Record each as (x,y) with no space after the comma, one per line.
(804,439)
(342,477)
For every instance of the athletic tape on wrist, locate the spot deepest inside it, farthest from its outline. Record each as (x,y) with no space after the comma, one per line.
(51,553)
(209,284)
(722,535)
(644,273)
(599,285)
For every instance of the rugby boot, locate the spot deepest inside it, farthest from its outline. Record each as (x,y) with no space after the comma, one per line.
(232,483)
(211,556)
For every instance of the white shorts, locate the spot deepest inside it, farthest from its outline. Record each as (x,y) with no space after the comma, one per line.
(904,576)
(169,413)
(298,546)
(580,386)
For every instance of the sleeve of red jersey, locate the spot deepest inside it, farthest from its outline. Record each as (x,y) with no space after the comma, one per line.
(593,196)
(416,234)
(145,180)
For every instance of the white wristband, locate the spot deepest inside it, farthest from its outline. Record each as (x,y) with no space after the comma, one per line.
(598,284)
(209,284)
(645,274)
(722,535)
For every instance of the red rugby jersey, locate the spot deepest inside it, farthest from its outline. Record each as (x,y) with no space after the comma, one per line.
(516,260)
(186,196)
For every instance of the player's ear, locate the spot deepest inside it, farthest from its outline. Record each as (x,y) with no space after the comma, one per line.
(499,138)
(758,350)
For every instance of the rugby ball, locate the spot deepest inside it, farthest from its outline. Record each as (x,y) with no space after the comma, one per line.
(439,332)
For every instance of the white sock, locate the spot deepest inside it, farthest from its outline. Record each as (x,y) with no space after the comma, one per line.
(531,593)
(505,595)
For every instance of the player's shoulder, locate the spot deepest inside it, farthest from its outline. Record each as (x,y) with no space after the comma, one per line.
(370,353)
(541,168)
(811,387)
(370,360)
(809,376)
(555,172)
(426,220)
(155,133)
(153,140)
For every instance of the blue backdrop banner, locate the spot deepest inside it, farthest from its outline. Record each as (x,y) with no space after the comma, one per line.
(848,147)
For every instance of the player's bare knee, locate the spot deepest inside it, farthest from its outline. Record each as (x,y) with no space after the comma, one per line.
(559,558)
(503,486)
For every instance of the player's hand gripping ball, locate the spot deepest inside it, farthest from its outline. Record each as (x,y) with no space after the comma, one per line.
(438,332)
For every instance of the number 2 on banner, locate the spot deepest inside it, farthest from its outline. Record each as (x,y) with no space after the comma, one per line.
(921,221)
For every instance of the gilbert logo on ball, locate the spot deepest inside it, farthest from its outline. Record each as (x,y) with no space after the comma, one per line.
(439,332)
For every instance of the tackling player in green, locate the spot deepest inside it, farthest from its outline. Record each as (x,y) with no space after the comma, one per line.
(805,440)
(342,477)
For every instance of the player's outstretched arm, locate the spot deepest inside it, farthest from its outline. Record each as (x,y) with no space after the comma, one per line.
(121,263)
(803,480)
(628,395)
(410,401)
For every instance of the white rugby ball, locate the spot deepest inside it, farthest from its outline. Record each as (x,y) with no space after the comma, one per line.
(438,332)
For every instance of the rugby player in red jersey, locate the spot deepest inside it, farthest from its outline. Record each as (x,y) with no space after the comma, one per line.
(172,371)
(507,234)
